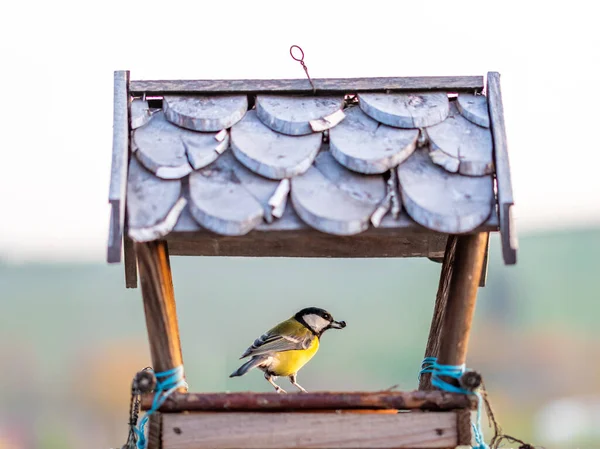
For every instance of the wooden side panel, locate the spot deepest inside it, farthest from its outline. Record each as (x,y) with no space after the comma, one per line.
(309,430)
(155,431)
(323,85)
(118,173)
(508,233)
(309,243)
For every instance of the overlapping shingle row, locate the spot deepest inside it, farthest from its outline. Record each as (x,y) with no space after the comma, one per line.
(233,163)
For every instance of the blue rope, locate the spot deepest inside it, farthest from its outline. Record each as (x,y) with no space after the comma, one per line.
(430,365)
(166,383)
(427,366)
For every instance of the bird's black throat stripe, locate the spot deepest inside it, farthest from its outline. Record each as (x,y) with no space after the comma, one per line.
(304,323)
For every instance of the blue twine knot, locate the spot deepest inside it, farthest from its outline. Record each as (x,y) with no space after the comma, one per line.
(430,365)
(166,383)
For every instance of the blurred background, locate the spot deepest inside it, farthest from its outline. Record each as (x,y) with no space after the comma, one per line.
(72,336)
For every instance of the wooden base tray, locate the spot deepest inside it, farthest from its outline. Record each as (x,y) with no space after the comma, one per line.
(294,430)
(326,420)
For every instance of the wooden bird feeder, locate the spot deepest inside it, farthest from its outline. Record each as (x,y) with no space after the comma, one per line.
(369,167)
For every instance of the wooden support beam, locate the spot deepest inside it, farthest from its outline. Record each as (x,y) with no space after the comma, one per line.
(273,402)
(462,296)
(484,267)
(118,172)
(439,309)
(311,430)
(508,232)
(130,262)
(159,305)
(323,85)
(310,243)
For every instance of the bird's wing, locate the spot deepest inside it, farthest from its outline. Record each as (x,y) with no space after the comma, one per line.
(287,336)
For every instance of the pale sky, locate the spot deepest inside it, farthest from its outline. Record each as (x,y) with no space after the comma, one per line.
(58,59)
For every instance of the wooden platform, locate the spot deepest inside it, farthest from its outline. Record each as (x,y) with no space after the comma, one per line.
(415,419)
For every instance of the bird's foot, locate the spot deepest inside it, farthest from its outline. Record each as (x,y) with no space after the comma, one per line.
(302,390)
(280,390)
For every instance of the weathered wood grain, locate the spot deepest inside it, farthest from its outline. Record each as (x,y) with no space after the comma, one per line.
(332,199)
(205,148)
(434,338)
(273,402)
(292,115)
(115,234)
(261,188)
(449,163)
(414,110)
(130,262)
(155,431)
(269,153)
(323,85)
(161,228)
(484,268)
(464,427)
(205,113)
(469,144)
(141,113)
(309,430)
(374,242)
(443,201)
(159,305)
(474,108)
(153,204)
(367,188)
(462,296)
(220,203)
(118,172)
(160,147)
(366,146)
(290,221)
(508,231)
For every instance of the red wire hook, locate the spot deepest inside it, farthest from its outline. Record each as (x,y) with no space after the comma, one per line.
(301,61)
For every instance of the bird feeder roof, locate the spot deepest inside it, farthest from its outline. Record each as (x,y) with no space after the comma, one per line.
(277,168)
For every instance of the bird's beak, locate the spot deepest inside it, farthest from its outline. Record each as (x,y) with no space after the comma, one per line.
(337,324)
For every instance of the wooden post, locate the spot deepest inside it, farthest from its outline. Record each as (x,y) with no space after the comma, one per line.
(441,299)
(462,296)
(159,305)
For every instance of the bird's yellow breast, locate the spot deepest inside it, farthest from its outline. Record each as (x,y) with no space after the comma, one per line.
(287,363)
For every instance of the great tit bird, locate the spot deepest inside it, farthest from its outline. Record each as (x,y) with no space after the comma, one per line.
(287,347)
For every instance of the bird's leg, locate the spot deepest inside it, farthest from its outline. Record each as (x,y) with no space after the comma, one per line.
(296,384)
(278,389)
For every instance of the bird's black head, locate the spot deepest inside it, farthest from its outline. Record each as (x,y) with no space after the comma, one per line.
(318,320)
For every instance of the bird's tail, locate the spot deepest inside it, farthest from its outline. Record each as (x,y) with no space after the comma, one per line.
(252,363)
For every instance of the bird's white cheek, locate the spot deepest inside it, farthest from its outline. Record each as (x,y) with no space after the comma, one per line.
(316,322)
